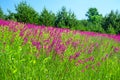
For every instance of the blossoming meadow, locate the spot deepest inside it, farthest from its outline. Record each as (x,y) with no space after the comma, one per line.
(32,52)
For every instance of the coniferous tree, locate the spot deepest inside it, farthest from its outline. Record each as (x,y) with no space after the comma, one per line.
(1,13)
(47,18)
(10,16)
(65,19)
(112,22)
(25,13)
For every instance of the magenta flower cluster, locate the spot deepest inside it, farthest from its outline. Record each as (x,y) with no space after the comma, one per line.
(50,39)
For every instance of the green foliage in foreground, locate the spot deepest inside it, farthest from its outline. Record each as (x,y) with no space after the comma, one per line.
(24,62)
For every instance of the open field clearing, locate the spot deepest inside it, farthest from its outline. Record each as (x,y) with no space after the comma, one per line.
(31,52)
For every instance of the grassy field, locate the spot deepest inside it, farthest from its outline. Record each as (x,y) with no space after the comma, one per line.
(31,52)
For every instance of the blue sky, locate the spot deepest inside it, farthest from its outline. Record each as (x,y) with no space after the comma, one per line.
(79,7)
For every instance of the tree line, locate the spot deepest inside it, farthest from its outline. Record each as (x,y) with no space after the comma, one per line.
(95,21)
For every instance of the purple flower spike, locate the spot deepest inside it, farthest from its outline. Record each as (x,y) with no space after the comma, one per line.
(116,49)
(80,61)
(71,57)
(91,58)
(77,54)
(34,43)
(38,47)
(25,40)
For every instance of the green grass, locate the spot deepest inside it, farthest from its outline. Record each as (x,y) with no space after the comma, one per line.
(25,62)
